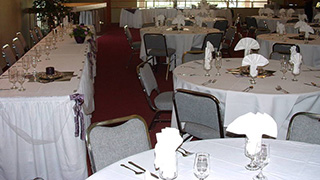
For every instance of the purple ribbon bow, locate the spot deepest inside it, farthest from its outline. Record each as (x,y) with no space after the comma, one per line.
(79,98)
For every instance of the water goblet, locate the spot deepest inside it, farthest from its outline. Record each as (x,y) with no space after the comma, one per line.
(21,78)
(26,63)
(218,62)
(207,65)
(251,149)
(284,67)
(47,51)
(34,63)
(262,160)
(201,167)
(13,78)
(295,76)
(38,53)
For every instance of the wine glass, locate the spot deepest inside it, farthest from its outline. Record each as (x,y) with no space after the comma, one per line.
(201,168)
(34,63)
(284,67)
(262,160)
(13,78)
(54,42)
(38,52)
(218,62)
(21,78)
(26,63)
(251,150)
(47,51)
(295,73)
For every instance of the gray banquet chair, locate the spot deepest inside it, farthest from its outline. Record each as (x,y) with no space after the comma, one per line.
(192,55)
(162,102)
(135,46)
(33,36)
(282,49)
(23,41)
(228,39)
(222,25)
(18,47)
(112,140)
(38,32)
(200,113)
(156,46)
(8,55)
(304,127)
(214,38)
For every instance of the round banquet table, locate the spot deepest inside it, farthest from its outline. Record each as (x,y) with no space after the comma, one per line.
(209,21)
(310,52)
(262,98)
(290,27)
(181,41)
(271,21)
(288,160)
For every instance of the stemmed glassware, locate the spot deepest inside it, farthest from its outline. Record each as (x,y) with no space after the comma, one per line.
(251,149)
(34,63)
(201,167)
(218,62)
(284,67)
(295,74)
(26,63)
(21,78)
(207,67)
(47,51)
(253,79)
(38,50)
(13,77)
(54,42)
(262,160)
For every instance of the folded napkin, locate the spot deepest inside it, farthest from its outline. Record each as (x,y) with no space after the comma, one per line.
(247,44)
(208,55)
(299,24)
(269,11)
(254,60)
(254,126)
(280,28)
(307,29)
(282,12)
(290,12)
(198,20)
(293,50)
(261,11)
(179,20)
(296,60)
(317,17)
(168,140)
(160,18)
(302,17)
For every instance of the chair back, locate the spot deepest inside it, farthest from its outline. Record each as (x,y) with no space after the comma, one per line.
(284,48)
(292,20)
(128,34)
(22,40)
(8,55)
(222,25)
(261,31)
(108,142)
(147,78)
(156,42)
(231,31)
(38,32)
(304,127)
(17,46)
(200,112)
(251,22)
(192,55)
(214,38)
(33,36)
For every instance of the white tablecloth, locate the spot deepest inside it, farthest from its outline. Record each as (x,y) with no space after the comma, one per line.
(181,41)
(288,160)
(209,21)
(262,98)
(310,52)
(37,126)
(225,13)
(271,22)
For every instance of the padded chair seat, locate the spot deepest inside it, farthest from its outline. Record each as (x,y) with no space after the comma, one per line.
(195,49)
(164,101)
(161,52)
(136,45)
(201,131)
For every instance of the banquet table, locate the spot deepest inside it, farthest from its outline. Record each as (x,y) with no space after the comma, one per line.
(181,41)
(288,160)
(209,21)
(263,98)
(290,27)
(310,52)
(38,125)
(271,21)
(222,13)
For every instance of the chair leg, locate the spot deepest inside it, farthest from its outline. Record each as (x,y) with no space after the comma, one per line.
(153,122)
(168,68)
(128,63)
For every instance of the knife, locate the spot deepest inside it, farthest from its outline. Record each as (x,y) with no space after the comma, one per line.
(130,162)
(313,85)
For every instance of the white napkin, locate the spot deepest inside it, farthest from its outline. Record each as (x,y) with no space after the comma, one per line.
(261,11)
(269,11)
(198,20)
(307,29)
(160,18)
(302,17)
(317,16)
(282,12)
(290,12)
(296,60)
(208,55)
(299,24)
(254,60)
(254,126)
(280,28)
(168,140)
(293,50)
(179,20)
(247,44)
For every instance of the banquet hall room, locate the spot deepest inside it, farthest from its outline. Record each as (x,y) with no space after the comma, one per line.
(114,58)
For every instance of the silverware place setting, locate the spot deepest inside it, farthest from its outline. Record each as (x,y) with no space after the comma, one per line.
(312,84)
(185,74)
(247,89)
(191,67)
(279,88)
(208,82)
(309,69)
(139,167)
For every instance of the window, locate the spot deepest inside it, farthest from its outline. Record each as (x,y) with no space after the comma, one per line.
(189,3)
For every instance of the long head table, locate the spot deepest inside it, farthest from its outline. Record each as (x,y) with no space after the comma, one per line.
(37,125)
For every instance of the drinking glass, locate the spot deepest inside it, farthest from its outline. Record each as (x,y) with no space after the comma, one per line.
(34,63)
(262,160)
(54,42)
(201,167)
(13,78)
(284,67)
(218,62)
(170,171)
(26,63)
(21,78)
(295,74)
(38,52)
(207,67)
(251,149)
(47,51)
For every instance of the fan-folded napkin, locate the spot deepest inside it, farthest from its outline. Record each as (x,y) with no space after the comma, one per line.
(254,126)
(168,140)
(293,50)
(160,18)
(307,29)
(261,11)
(247,44)
(254,60)
(290,12)
(282,12)
(280,28)
(198,20)
(299,24)
(179,20)
(269,11)
(302,17)
(296,60)
(208,55)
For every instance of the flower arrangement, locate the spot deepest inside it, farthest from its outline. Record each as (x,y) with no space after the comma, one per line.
(81,31)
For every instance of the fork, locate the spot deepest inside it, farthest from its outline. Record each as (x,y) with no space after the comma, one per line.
(136,172)
(187,152)
(208,82)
